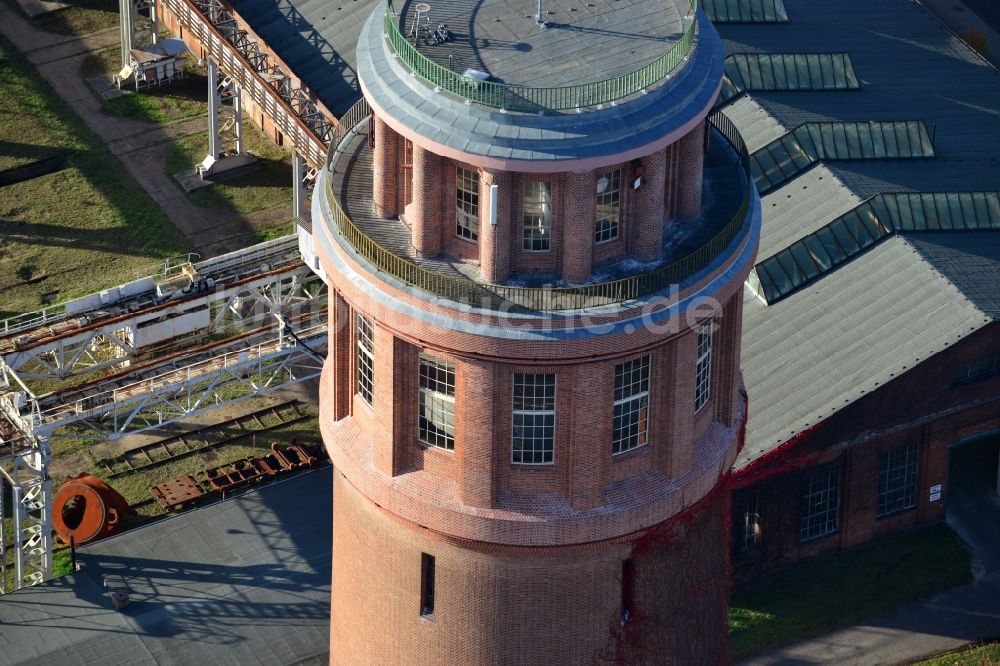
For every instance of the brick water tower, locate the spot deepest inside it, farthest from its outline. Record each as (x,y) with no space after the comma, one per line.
(536,237)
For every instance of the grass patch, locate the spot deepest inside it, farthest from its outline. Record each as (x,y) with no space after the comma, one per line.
(62,562)
(78,230)
(82,18)
(134,486)
(272,231)
(185,98)
(819,596)
(268,186)
(980,655)
(31,126)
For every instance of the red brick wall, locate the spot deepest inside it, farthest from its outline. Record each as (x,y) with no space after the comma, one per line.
(433,182)
(922,406)
(497,605)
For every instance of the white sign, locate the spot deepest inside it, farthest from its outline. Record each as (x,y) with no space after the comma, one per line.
(935,492)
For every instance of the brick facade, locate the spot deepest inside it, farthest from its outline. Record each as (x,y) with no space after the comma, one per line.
(587,527)
(930,406)
(671,182)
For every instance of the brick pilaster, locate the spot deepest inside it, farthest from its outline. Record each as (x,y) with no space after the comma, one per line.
(340,341)
(494,241)
(593,412)
(388,370)
(648,212)
(385,170)
(424,212)
(690,172)
(580,211)
(475,417)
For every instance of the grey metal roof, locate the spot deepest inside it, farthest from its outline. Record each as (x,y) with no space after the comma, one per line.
(801,207)
(242,582)
(758,127)
(316,39)
(862,324)
(970,261)
(811,354)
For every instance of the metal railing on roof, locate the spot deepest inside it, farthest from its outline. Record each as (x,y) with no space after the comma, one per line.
(530,99)
(494,296)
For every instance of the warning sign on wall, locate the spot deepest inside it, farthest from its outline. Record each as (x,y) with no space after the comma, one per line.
(935,492)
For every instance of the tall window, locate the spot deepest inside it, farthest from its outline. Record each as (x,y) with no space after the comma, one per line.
(609,197)
(897,480)
(820,504)
(537,215)
(426,585)
(534,431)
(703,366)
(437,402)
(467,201)
(631,404)
(364,362)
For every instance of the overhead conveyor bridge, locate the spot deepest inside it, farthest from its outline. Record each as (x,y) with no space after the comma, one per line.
(142,355)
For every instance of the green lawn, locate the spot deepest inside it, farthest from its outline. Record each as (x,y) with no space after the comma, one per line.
(268,186)
(74,231)
(186,98)
(31,126)
(981,655)
(82,18)
(821,595)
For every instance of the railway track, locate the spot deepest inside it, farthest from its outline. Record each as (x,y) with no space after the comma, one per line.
(204,439)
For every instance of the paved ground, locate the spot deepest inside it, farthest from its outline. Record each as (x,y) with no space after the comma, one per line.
(58,59)
(242,582)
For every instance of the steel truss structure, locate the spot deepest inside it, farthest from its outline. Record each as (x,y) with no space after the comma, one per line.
(240,56)
(225,114)
(117,336)
(225,22)
(273,324)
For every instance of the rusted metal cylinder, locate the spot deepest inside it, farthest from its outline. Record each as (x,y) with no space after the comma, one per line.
(87,509)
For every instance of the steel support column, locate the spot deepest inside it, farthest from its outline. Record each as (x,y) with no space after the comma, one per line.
(138,25)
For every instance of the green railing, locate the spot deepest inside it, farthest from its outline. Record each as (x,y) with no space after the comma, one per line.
(529,99)
(493,296)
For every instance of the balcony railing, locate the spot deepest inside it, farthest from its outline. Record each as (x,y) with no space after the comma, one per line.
(529,99)
(494,296)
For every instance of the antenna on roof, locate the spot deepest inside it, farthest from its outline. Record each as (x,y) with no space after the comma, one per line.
(539,15)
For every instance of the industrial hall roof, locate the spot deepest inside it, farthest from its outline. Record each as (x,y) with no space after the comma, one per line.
(244,581)
(877,250)
(316,39)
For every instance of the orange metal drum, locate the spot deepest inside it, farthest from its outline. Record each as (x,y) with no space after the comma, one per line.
(87,509)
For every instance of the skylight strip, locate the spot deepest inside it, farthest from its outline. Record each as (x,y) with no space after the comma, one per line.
(841,240)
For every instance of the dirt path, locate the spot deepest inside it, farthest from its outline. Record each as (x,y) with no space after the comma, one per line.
(59,59)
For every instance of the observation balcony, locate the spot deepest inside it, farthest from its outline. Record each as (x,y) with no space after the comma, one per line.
(384,246)
(565,64)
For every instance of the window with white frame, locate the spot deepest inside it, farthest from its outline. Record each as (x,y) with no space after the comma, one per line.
(537,225)
(897,480)
(820,504)
(467,203)
(609,197)
(534,418)
(703,366)
(631,409)
(436,406)
(364,365)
